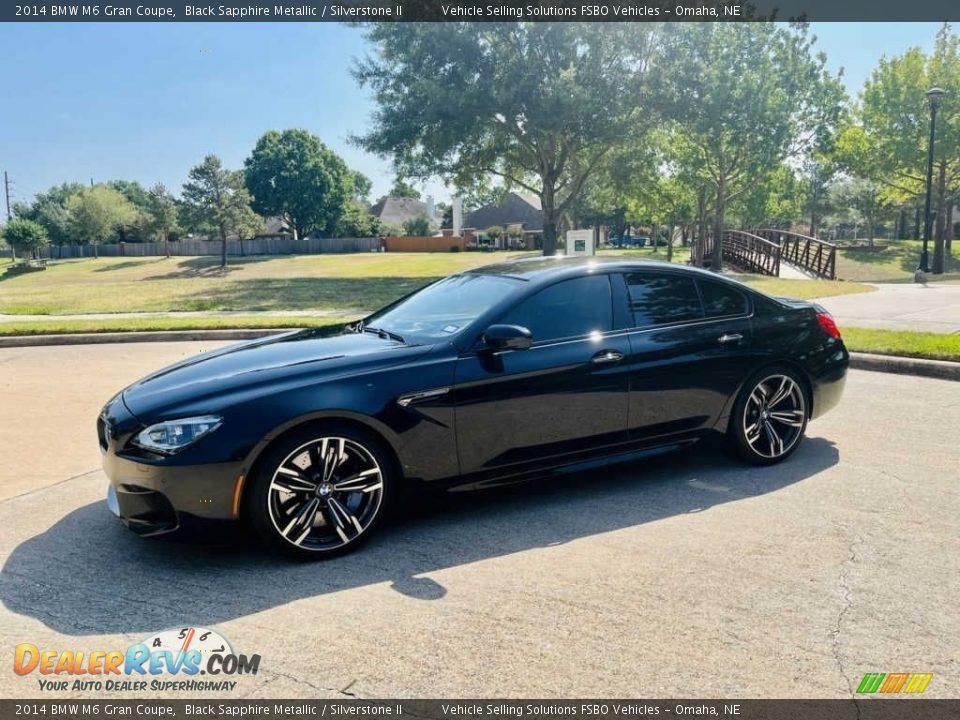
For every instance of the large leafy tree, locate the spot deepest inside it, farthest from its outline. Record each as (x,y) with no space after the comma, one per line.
(537,104)
(292,175)
(25,236)
(97,212)
(50,210)
(887,142)
(403,189)
(217,197)
(746,98)
(163,216)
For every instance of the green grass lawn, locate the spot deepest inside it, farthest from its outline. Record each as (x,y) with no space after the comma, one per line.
(309,282)
(355,282)
(62,324)
(896,262)
(936,346)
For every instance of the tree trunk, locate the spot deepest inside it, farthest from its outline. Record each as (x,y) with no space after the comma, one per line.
(941,219)
(670,243)
(549,221)
(701,227)
(916,226)
(166,244)
(716,262)
(223,247)
(96,250)
(948,236)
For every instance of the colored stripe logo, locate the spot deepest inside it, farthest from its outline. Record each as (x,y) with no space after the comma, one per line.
(892,683)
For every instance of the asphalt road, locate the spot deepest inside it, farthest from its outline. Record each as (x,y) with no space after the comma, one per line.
(934,307)
(686,575)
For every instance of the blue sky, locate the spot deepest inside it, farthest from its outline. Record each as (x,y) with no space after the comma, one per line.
(147,101)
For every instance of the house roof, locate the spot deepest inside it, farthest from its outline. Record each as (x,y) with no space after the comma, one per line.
(398,210)
(515,209)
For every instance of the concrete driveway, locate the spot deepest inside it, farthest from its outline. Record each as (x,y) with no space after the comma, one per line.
(934,307)
(685,575)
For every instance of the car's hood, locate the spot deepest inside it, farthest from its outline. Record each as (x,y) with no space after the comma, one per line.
(206,381)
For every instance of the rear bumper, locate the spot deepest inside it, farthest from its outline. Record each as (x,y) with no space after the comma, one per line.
(829,382)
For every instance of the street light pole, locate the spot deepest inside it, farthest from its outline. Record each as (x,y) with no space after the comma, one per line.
(933,96)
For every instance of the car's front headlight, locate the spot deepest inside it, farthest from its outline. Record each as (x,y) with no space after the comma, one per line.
(172,436)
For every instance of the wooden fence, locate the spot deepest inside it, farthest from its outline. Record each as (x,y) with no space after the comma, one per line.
(193,248)
(423,243)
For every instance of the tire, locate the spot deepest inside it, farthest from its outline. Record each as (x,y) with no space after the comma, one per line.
(294,502)
(770,416)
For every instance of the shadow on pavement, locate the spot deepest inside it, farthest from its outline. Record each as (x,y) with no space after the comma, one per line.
(88,575)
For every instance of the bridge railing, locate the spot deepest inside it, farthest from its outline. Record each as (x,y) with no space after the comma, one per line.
(751,252)
(816,256)
(747,251)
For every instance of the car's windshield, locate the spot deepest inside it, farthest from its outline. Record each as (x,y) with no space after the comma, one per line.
(442,310)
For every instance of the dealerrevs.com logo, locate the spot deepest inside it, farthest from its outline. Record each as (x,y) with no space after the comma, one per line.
(168,661)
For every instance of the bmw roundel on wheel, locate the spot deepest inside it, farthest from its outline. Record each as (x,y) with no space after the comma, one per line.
(488,376)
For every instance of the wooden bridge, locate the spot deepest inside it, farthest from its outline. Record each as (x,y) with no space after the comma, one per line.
(763,252)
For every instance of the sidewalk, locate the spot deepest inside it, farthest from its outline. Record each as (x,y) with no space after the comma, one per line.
(900,306)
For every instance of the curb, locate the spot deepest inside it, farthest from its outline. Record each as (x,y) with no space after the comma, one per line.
(137,337)
(942,369)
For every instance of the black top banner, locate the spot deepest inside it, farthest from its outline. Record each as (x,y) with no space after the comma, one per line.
(503,11)
(353,709)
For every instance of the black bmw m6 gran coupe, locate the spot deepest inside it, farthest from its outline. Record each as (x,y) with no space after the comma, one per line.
(484,377)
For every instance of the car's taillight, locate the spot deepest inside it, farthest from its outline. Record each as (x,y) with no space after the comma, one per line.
(828,324)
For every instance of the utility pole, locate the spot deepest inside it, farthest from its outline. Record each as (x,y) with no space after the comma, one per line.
(6,188)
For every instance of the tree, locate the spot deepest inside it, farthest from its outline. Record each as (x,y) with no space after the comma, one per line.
(361,186)
(357,222)
(50,210)
(294,176)
(888,141)
(747,97)
(24,235)
(163,215)
(419,225)
(135,229)
(219,198)
(98,211)
(864,198)
(494,232)
(403,189)
(536,104)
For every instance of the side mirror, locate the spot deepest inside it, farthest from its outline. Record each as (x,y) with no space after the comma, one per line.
(507,337)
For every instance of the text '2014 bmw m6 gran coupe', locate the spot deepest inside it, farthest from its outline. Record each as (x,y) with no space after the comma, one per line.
(483,377)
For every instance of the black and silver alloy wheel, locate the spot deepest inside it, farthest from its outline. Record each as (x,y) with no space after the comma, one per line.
(770,417)
(321,496)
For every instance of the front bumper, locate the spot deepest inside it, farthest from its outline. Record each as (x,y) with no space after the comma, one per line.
(156,500)
(152,496)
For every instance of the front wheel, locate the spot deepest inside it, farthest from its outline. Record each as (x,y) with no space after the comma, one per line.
(769,417)
(321,491)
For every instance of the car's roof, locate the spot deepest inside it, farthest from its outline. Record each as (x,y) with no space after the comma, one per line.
(541,268)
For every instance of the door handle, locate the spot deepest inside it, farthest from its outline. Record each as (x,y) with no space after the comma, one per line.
(607,357)
(729,338)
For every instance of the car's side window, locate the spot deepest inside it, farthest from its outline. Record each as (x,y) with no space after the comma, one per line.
(568,309)
(721,300)
(661,298)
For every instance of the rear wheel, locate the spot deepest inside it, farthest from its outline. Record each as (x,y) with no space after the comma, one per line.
(769,417)
(321,491)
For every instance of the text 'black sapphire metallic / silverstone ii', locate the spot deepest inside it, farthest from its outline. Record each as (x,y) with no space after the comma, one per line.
(485,377)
